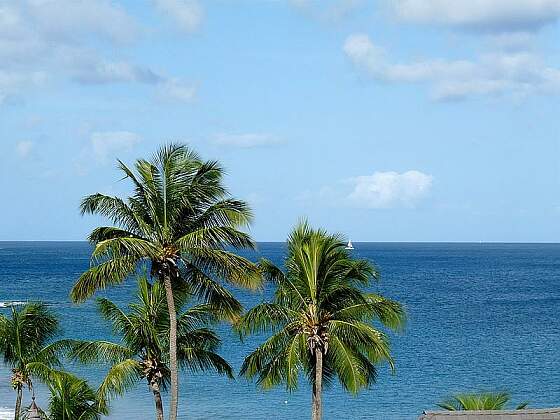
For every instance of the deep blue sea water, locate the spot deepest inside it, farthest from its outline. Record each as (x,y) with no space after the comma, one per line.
(481,317)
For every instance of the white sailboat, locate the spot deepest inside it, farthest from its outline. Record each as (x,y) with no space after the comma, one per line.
(349,246)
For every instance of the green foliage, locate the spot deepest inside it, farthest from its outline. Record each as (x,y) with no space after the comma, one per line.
(320,304)
(179,220)
(143,352)
(71,398)
(27,337)
(479,401)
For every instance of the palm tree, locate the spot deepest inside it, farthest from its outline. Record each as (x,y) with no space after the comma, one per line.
(320,319)
(71,398)
(181,221)
(479,401)
(143,349)
(25,338)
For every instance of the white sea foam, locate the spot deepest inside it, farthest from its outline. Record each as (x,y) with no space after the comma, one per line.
(6,413)
(7,304)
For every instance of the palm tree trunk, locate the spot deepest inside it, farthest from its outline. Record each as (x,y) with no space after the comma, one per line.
(157,399)
(317,409)
(172,347)
(18,403)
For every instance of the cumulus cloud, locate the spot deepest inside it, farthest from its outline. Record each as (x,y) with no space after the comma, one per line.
(187,14)
(11,82)
(175,89)
(24,148)
(113,72)
(107,143)
(49,40)
(389,189)
(518,73)
(69,19)
(481,15)
(41,39)
(520,41)
(246,141)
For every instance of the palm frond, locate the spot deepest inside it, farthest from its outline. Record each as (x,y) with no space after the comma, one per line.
(226,265)
(265,317)
(477,401)
(211,292)
(389,312)
(270,272)
(111,272)
(113,208)
(120,378)
(130,247)
(320,305)
(197,359)
(215,237)
(99,352)
(228,212)
(53,353)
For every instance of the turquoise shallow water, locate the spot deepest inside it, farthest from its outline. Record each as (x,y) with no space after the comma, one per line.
(481,317)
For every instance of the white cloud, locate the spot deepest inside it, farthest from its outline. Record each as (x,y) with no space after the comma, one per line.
(50,40)
(11,82)
(246,141)
(187,14)
(106,144)
(113,72)
(176,90)
(512,41)
(389,189)
(69,19)
(502,73)
(484,15)
(24,148)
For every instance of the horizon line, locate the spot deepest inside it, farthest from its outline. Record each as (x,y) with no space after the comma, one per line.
(356,242)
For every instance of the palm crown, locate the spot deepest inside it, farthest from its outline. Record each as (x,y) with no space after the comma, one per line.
(71,398)
(180,221)
(27,338)
(320,318)
(479,401)
(143,350)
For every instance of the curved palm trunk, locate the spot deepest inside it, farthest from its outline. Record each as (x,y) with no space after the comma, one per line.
(157,400)
(18,404)
(172,347)
(317,409)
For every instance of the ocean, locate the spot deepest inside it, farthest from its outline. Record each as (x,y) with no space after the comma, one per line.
(481,317)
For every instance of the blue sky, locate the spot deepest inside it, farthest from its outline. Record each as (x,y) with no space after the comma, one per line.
(403,120)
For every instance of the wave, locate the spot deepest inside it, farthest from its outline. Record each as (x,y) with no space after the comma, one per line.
(9,304)
(6,413)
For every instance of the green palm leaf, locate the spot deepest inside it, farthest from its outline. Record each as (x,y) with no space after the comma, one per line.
(28,345)
(479,401)
(142,353)
(178,215)
(323,323)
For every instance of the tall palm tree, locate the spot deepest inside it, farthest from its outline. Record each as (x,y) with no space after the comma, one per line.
(71,398)
(27,337)
(181,221)
(479,401)
(143,351)
(320,319)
